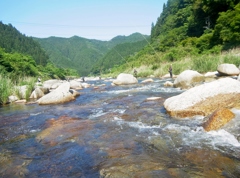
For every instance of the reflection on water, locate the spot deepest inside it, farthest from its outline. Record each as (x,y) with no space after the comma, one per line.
(114,132)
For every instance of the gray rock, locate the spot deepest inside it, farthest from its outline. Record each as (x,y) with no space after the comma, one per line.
(12,98)
(75,84)
(204,99)
(188,79)
(125,79)
(228,69)
(59,95)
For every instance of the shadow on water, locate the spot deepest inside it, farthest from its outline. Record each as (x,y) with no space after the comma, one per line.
(113,132)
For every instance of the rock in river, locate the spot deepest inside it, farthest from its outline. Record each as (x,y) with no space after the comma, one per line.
(205,99)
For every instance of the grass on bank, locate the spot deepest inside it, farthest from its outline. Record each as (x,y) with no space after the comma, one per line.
(156,65)
(9,87)
(6,89)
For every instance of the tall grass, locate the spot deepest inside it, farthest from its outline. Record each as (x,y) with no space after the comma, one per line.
(29,82)
(6,89)
(206,63)
(31,86)
(9,87)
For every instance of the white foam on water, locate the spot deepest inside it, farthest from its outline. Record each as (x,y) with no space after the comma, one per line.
(167,89)
(33,131)
(140,125)
(198,137)
(35,114)
(223,137)
(120,111)
(117,119)
(97,113)
(119,91)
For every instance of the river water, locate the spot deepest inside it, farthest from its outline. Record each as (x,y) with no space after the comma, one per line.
(114,132)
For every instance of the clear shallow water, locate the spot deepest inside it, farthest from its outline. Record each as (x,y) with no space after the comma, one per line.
(114,132)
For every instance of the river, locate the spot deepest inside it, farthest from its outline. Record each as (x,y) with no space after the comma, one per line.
(114,132)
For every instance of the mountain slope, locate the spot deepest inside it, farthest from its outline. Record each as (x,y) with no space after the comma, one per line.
(81,53)
(118,55)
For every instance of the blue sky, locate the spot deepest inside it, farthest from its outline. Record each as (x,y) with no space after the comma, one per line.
(93,19)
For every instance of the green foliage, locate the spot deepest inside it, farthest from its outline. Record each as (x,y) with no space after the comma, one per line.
(19,64)
(6,87)
(205,63)
(117,56)
(191,29)
(230,59)
(227,29)
(145,73)
(14,42)
(30,87)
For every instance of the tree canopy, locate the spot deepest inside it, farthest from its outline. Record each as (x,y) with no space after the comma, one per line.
(13,41)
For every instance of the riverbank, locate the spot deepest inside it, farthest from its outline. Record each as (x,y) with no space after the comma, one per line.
(155,66)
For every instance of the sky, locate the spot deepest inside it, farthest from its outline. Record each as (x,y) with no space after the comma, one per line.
(92,19)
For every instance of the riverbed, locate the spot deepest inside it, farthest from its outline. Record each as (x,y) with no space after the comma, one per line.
(114,131)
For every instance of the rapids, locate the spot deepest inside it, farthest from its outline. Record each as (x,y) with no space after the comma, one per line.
(114,132)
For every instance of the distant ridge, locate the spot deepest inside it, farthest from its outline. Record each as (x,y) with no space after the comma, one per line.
(83,54)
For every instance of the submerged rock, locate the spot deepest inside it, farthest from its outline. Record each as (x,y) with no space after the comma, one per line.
(204,99)
(168,84)
(63,129)
(147,81)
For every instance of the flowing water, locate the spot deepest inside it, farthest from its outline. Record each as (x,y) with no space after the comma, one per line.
(114,132)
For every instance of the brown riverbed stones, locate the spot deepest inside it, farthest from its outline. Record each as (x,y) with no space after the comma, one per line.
(63,129)
(218,119)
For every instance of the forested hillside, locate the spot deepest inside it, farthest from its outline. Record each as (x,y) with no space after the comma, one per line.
(188,29)
(117,56)
(201,23)
(12,41)
(21,56)
(82,54)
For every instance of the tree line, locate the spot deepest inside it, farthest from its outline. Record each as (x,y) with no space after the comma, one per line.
(203,24)
(22,56)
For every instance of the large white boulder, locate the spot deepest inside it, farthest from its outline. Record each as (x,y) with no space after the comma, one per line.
(59,95)
(205,98)
(188,79)
(125,79)
(228,69)
(52,84)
